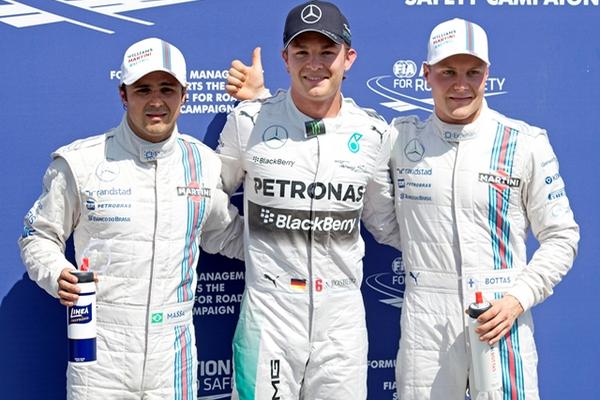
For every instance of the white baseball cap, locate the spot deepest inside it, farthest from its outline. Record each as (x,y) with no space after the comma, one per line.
(151,55)
(457,36)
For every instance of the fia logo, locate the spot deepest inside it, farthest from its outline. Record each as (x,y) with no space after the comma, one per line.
(389,285)
(407,89)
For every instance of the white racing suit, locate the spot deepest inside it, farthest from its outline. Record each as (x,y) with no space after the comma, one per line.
(154,204)
(302,331)
(465,198)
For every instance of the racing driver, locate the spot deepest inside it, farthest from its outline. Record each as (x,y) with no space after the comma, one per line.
(153,195)
(470,182)
(313,164)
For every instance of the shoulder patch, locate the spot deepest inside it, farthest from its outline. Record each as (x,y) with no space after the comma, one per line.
(368,111)
(84,143)
(518,125)
(410,119)
(193,141)
(373,114)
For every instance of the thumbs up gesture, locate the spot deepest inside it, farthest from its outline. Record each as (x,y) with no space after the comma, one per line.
(246,82)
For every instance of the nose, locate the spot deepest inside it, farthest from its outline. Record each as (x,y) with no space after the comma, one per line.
(314,62)
(156,98)
(460,83)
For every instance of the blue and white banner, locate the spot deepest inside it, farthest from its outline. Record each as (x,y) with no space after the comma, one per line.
(60,73)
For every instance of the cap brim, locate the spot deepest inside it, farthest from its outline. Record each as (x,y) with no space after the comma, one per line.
(134,78)
(337,39)
(443,57)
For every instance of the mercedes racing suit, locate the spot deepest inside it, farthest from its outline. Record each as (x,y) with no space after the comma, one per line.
(465,197)
(307,183)
(154,204)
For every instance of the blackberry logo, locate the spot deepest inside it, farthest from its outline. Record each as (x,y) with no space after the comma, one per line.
(267,216)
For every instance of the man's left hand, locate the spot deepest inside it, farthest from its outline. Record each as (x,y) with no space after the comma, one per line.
(496,322)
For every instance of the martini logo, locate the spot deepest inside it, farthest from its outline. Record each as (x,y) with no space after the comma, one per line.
(194,191)
(407,90)
(500,181)
(98,15)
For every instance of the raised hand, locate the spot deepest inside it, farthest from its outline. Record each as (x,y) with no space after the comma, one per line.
(246,82)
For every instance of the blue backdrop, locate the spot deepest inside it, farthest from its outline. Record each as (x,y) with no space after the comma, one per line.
(59,65)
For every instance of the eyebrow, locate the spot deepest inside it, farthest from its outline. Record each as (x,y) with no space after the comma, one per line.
(161,84)
(328,45)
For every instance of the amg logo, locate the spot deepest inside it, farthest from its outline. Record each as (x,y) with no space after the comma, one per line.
(313,190)
(275,381)
(500,180)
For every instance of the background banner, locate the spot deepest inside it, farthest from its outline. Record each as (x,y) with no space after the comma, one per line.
(60,77)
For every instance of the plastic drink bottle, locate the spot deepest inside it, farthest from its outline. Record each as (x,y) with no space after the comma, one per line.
(485,360)
(81,319)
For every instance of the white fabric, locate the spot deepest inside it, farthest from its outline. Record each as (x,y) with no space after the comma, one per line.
(154,204)
(457,36)
(465,199)
(302,326)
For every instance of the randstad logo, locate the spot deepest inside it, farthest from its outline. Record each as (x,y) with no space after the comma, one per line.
(83,13)
(407,90)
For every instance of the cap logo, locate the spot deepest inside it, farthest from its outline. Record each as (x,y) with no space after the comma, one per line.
(311,14)
(138,56)
(444,37)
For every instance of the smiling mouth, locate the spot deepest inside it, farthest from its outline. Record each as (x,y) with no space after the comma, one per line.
(155,115)
(315,79)
(462,99)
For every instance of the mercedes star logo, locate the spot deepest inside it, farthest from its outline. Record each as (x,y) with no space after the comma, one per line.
(275,136)
(414,150)
(311,14)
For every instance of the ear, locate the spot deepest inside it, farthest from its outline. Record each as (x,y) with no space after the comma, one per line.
(184,95)
(123,94)
(426,71)
(284,55)
(350,58)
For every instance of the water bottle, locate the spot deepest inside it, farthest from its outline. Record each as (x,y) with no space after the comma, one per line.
(485,360)
(81,319)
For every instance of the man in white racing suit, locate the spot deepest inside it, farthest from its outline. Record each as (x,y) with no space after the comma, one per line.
(153,195)
(468,184)
(313,164)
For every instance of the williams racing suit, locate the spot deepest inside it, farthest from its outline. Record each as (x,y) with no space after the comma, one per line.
(154,204)
(465,198)
(307,183)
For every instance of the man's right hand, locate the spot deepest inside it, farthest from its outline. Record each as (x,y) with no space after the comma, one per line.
(68,291)
(246,82)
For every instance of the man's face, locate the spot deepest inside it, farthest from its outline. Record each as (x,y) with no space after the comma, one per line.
(316,65)
(457,86)
(152,104)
